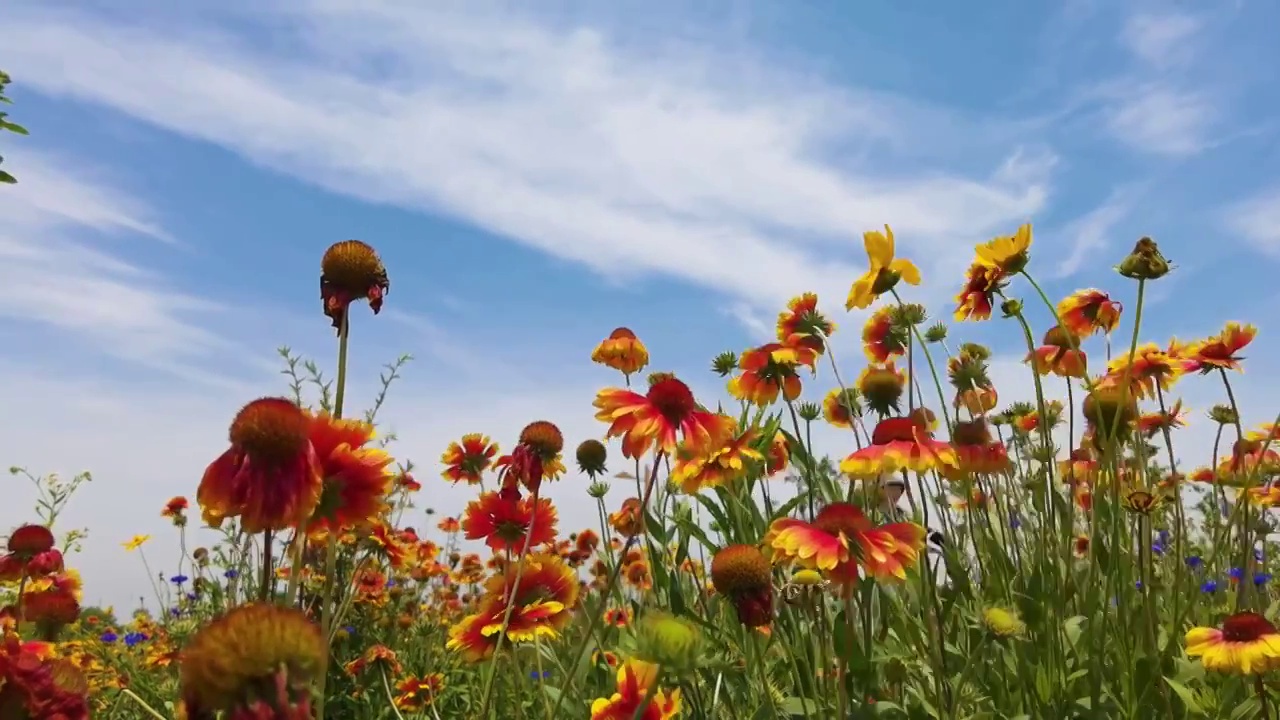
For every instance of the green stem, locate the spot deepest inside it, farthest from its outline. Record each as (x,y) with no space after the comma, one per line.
(331,550)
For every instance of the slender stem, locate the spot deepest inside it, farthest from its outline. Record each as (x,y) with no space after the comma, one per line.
(266,583)
(331,550)
(576,657)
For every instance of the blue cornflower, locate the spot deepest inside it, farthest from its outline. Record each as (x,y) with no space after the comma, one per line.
(1194,561)
(179,579)
(1209,586)
(134,638)
(231,574)
(1157,548)
(391,582)
(108,637)
(1235,573)
(1014,521)
(540,676)
(1138,584)
(176,612)
(1261,578)
(350,629)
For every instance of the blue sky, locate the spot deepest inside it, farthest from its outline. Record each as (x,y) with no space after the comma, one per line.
(536,174)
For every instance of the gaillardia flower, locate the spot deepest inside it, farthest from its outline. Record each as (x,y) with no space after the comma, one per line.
(1059,354)
(976,451)
(841,406)
(506,523)
(881,387)
(882,338)
(356,479)
(841,539)
(637,680)
(229,663)
(1246,644)
(802,326)
(1008,254)
(622,351)
(1220,352)
(899,444)
(663,415)
(718,466)
(977,299)
(467,459)
(271,476)
(1089,311)
(351,270)
(767,371)
(884,270)
(741,573)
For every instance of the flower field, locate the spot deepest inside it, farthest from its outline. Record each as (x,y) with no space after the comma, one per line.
(961,558)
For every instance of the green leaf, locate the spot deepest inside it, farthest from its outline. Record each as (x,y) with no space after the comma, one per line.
(1073,627)
(800,707)
(1187,696)
(13,127)
(7,178)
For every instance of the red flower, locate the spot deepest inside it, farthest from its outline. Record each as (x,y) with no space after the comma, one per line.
(1220,351)
(841,539)
(467,460)
(769,370)
(899,444)
(504,523)
(661,416)
(270,477)
(1086,312)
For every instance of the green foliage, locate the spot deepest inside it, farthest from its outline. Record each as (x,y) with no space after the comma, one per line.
(6,124)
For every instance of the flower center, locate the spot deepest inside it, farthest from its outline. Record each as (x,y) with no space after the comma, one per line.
(839,518)
(621,333)
(673,399)
(895,430)
(270,430)
(1246,627)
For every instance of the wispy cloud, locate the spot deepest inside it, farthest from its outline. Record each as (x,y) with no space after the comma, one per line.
(1160,119)
(63,243)
(627,158)
(1161,40)
(1092,232)
(1257,220)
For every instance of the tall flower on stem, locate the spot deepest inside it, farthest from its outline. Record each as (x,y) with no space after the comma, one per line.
(351,270)
(622,351)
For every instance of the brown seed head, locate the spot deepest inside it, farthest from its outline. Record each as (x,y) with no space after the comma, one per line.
(270,430)
(740,569)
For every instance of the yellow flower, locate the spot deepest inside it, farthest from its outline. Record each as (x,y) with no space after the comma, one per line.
(1003,622)
(137,542)
(1009,254)
(883,271)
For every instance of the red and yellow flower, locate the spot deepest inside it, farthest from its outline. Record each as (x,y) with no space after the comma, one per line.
(468,459)
(768,371)
(841,539)
(1059,354)
(637,680)
(508,523)
(723,465)
(1246,644)
(840,407)
(622,351)
(1220,352)
(1151,367)
(356,478)
(884,270)
(976,300)
(976,451)
(662,416)
(882,339)
(1086,312)
(802,326)
(899,444)
(1007,253)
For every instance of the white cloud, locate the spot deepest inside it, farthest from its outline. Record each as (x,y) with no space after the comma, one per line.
(1092,233)
(1161,40)
(626,159)
(1160,119)
(1257,221)
(63,243)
